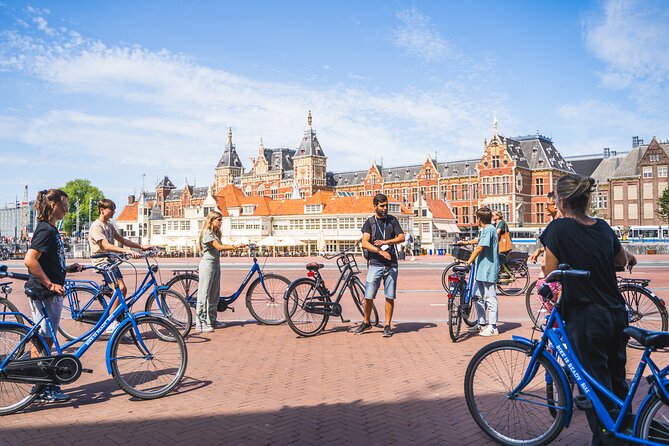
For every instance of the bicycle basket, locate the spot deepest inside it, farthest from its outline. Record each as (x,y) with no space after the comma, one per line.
(517,255)
(461,253)
(347,260)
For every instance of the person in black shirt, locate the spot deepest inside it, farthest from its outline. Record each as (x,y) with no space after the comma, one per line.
(45,260)
(593,309)
(380,235)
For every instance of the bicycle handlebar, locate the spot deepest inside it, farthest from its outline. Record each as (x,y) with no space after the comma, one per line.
(559,274)
(11,275)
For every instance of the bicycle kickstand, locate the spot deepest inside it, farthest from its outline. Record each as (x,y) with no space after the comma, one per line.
(345,321)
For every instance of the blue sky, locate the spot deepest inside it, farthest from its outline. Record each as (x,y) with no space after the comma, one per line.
(110,91)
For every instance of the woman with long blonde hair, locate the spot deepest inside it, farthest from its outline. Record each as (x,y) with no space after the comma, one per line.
(209,287)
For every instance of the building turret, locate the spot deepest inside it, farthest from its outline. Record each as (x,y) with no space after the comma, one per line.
(229,167)
(309,162)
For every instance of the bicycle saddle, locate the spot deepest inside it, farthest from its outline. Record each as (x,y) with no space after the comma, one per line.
(313,266)
(647,338)
(461,269)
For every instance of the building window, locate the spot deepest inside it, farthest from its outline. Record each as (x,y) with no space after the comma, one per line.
(454,192)
(428,174)
(648,190)
(539,187)
(433,192)
(313,208)
(654,157)
(506,185)
(539,212)
(394,208)
(601,200)
(662,171)
(465,191)
(475,186)
(618,193)
(495,161)
(648,172)
(455,214)
(248,209)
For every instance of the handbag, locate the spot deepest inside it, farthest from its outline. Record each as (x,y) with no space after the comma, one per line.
(505,244)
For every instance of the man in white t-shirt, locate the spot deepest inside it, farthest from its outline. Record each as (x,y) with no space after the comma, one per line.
(101,239)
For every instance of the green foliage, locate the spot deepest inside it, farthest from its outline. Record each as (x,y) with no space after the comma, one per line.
(87,194)
(663,205)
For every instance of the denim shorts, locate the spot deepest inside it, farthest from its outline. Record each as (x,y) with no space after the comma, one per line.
(374,276)
(109,275)
(54,308)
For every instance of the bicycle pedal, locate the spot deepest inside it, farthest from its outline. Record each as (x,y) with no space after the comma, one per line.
(582,402)
(86,370)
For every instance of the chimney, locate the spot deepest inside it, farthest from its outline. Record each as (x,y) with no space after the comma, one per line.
(131,199)
(635,142)
(607,152)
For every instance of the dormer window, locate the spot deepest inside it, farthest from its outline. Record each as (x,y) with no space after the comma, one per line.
(313,208)
(248,209)
(394,208)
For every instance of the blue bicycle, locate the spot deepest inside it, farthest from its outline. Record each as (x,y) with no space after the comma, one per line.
(86,301)
(145,354)
(264,298)
(519,394)
(460,293)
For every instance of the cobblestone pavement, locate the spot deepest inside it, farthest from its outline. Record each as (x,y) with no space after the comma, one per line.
(252,384)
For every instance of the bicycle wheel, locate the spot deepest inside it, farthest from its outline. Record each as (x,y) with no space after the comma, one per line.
(153,367)
(646,310)
(447,271)
(525,418)
(357,290)
(6,306)
(303,307)
(265,304)
(15,396)
(653,422)
(173,307)
(513,282)
(86,301)
(454,311)
(186,285)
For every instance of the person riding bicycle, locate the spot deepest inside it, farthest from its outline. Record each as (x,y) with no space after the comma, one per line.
(45,260)
(486,257)
(593,310)
(101,237)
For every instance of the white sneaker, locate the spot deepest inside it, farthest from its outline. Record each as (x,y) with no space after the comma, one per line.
(205,329)
(489,331)
(112,327)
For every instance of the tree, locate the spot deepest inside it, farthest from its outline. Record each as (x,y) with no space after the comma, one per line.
(663,205)
(88,195)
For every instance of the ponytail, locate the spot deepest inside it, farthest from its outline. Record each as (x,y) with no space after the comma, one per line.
(46,201)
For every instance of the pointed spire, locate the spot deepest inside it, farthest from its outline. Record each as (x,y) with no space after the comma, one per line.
(309,120)
(230,136)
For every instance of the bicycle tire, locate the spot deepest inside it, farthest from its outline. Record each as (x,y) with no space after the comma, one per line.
(492,373)
(454,312)
(299,294)
(446,273)
(646,309)
(16,396)
(536,307)
(357,290)
(267,308)
(89,299)
(7,306)
(139,374)
(519,280)
(174,308)
(651,426)
(186,284)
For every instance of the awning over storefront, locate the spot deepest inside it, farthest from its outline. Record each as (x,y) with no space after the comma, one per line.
(448,227)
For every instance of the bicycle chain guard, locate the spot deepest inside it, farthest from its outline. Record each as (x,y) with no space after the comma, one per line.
(59,369)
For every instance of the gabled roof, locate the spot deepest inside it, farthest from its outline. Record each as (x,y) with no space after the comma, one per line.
(229,196)
(129,213)
(309,145)
(230,157)
(165,183)
(629,166)
(439,209)
(538,152)
(604,170)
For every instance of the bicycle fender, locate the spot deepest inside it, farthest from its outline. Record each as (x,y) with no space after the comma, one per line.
(37,334)
(114,335)
(569,399)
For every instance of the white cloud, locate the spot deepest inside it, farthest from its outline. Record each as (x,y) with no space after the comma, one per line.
(157,112)
(418,36)
(631,38)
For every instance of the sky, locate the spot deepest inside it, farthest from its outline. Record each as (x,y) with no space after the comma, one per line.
(123,92)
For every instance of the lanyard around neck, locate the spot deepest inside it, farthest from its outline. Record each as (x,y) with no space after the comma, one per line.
(382,231)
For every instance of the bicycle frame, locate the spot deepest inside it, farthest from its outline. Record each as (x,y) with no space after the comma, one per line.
(88,339)
(555,337)
(344,278)
(255,268)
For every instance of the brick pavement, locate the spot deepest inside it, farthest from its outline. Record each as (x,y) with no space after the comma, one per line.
(250,384)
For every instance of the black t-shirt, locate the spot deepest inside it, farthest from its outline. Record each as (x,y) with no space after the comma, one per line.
(46,240)
(591,248)
(386,229)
